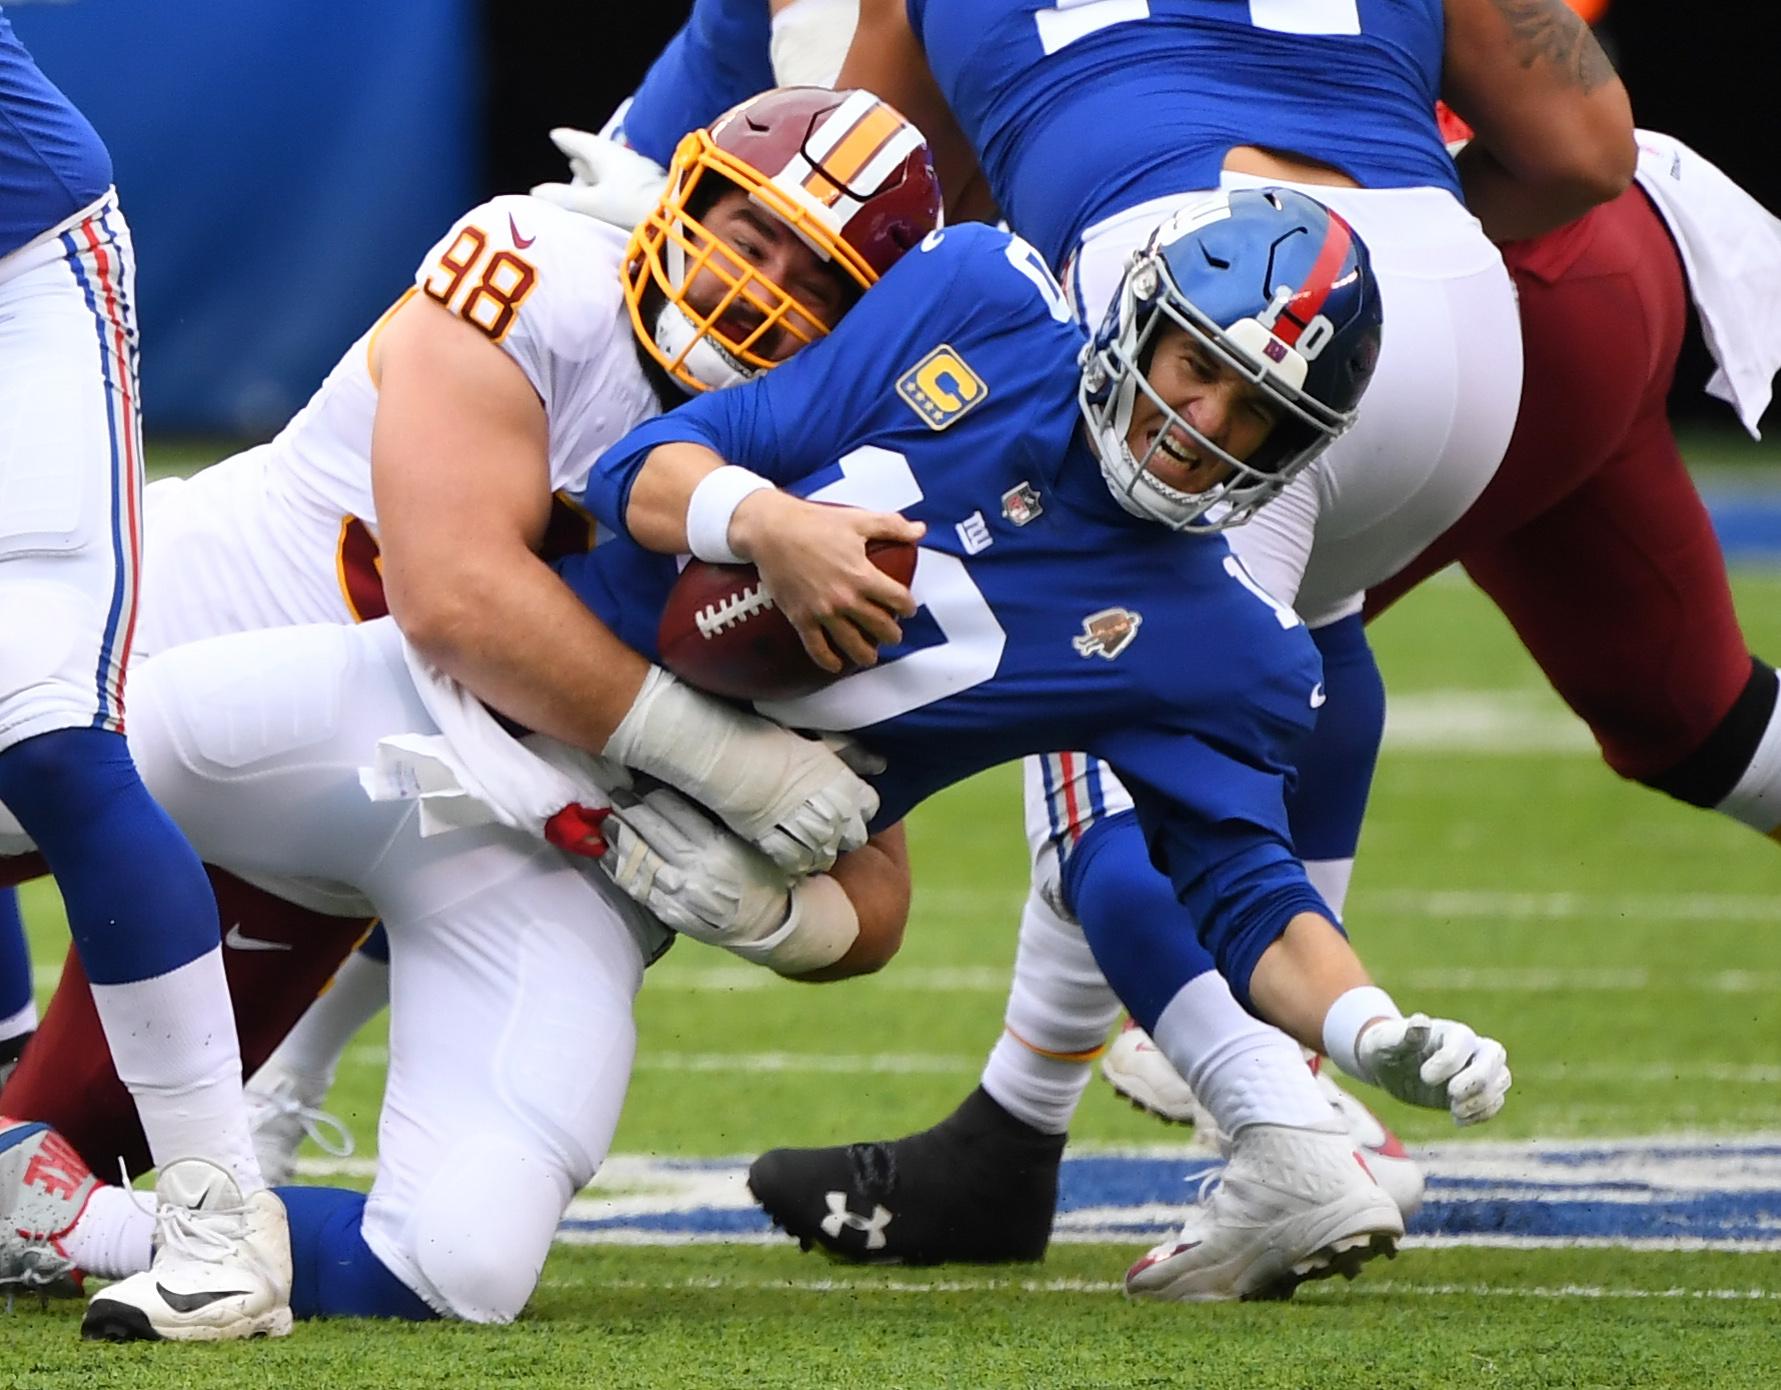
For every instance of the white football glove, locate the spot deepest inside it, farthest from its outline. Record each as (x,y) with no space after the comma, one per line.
(1436,1062)
(791,797)
(705,882)
(611,182)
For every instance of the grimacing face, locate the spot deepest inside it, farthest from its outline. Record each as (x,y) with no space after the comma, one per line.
(1233,413)
(753,245)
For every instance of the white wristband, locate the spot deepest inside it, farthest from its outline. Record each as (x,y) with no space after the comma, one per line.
(819,929)
(1342,1025)
(709,509)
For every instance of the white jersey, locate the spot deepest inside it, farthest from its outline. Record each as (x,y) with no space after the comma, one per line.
(286,532)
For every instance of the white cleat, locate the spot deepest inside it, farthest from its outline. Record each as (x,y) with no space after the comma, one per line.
(1291,1205)
(1136,1068)
(282,1109)
(222,1266)
(1387,1159)
(44,1186)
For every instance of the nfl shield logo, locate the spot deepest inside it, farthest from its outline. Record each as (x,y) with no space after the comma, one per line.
(1107,633)
(1021,504)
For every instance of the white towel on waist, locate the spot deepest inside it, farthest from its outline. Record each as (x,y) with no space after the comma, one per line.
(473,772)
(1731,249)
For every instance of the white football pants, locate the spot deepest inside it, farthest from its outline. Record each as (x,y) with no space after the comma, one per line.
(513,966)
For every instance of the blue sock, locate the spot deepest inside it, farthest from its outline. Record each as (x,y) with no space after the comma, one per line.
(334,1273)
(376,945)
(15,957)
(138,902)
(1335,769)
(1143,939)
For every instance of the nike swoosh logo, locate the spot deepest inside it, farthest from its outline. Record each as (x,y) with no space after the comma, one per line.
(192,1302)
(1317,696)
(522,242)
(234,937)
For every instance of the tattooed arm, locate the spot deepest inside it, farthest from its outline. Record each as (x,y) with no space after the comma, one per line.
(1554,128)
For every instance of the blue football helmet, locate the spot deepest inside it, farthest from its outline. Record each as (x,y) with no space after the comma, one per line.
(1275,286)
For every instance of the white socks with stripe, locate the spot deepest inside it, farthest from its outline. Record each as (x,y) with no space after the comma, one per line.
(1060,1011)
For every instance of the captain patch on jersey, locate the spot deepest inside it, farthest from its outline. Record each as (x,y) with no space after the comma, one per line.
(941,387)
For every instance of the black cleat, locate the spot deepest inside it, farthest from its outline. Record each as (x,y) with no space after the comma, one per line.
(980,1187)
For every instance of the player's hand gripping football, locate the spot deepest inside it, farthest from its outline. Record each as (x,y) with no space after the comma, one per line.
(611,181)
(793,798)
(812,557)
(1438,1063)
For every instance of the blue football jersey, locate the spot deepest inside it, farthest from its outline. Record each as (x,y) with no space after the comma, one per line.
(719,57)
(52,162)
(1050,617)
(1083,108)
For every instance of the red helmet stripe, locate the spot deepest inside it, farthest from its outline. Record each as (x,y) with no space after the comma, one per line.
(1321,279)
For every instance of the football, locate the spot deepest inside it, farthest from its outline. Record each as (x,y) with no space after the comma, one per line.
(722,632)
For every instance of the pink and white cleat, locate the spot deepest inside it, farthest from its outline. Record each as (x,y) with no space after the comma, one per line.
(1291,1205)
(1136,1068)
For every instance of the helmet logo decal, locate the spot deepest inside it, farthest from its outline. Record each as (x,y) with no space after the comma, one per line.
(1301,308)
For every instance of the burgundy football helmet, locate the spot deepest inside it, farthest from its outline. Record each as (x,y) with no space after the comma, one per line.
(845,171)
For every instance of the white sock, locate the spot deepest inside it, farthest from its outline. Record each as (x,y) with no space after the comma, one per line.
(16,1025)
(1060,1010)
(1756,799)
(311,1051)
(173,1040)
(114,1236)
(1330,878)
(1244,1071)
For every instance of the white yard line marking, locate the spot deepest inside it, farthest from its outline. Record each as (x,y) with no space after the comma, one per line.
(984,979)
(1389,1288)
(1493,722)
(993,980)
(962,1063)
(1641,907)
(1696,1154)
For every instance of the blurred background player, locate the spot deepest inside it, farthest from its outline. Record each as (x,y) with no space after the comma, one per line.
(141,913)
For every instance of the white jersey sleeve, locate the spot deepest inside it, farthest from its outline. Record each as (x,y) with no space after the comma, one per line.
(543,285)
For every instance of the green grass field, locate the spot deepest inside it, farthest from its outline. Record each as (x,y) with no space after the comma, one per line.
(1626,949)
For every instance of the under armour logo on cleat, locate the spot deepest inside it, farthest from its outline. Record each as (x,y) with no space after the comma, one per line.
(840,1218)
